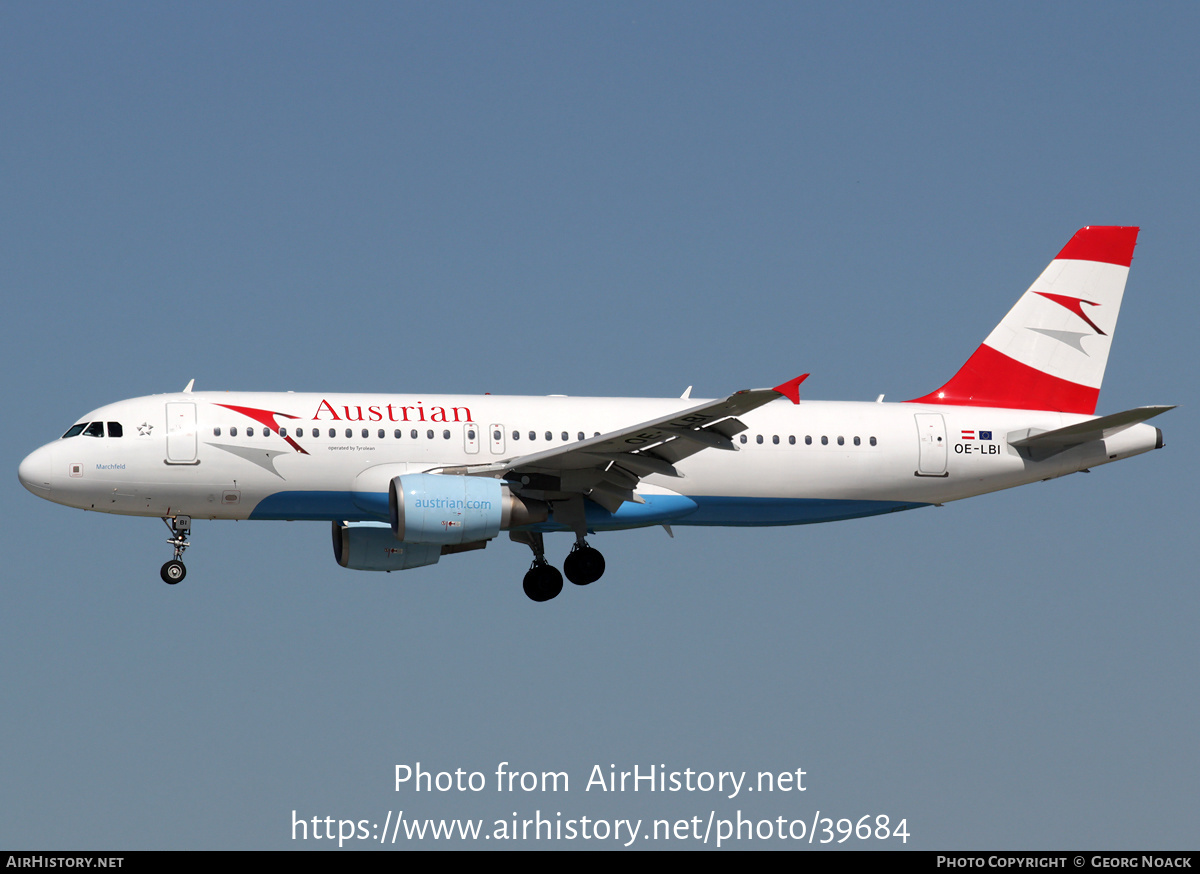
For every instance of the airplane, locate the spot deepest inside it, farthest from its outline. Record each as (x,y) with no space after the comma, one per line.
(407,478)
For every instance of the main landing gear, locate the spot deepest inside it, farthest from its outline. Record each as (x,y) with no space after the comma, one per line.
(543,581)
(584,565)
(181,526)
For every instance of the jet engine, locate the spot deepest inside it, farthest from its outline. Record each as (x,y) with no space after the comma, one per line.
(450,509)
(370,546)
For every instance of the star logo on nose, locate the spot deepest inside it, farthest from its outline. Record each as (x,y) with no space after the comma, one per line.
(144,429)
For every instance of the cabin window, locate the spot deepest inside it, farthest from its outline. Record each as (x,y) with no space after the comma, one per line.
(533,435)
(566,436)
(516,435)
(808,440)
(496,436)
(841,441)
(742,438)
(580,435)
(872,441)
(349,432)
(775,439)
(365,433)
(217,431)
(758,439)
(858,441)
(332,432)
(824,440)
(413,432)
(397,434)
(429,434)
(792,439)
(250,431)
(446,434)
(470,433)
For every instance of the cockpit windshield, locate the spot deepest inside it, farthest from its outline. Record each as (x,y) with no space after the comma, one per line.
(94,429)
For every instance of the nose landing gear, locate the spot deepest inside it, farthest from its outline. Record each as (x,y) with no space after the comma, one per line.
(180,526)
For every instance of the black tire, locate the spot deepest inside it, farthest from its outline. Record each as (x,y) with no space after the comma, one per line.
(542,582)
(172,572)
(584,565)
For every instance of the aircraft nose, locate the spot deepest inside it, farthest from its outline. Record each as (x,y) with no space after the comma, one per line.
(34,472)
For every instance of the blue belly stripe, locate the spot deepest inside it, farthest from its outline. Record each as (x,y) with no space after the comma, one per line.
(658,509)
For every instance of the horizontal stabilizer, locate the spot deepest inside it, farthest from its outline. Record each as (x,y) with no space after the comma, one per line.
(1085,432)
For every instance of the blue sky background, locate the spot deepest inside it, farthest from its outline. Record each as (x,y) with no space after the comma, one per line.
(616,199)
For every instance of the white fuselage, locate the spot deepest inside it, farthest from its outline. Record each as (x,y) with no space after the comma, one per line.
(237,455)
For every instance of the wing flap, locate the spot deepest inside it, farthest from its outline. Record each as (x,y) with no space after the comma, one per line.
(640,463)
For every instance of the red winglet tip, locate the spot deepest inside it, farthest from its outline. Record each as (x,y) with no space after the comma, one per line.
(791,388)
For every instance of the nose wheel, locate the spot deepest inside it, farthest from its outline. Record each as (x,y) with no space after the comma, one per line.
(180,526)
(172,572)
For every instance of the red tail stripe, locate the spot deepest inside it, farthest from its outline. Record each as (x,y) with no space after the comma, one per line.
(1111,245)
(992,379)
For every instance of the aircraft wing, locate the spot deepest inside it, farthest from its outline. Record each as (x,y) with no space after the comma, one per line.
(608,467)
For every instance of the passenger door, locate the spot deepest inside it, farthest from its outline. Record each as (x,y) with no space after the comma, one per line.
(181,433)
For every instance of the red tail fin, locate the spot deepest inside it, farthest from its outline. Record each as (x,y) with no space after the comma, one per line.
(1050,351)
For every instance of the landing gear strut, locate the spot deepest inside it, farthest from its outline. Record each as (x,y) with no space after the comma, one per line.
(181,526)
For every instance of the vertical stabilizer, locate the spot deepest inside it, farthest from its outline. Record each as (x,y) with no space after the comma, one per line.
(1049,352)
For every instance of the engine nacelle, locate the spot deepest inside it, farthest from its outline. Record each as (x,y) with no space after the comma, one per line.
(370,546)
(451,509)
